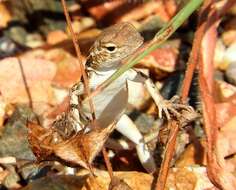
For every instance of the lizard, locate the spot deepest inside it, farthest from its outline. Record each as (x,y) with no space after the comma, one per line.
(111,47)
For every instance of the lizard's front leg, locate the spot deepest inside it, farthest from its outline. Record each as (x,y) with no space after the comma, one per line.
(127,127)
(174,105)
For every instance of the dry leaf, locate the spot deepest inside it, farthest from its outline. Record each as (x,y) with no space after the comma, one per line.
(2,111)
(225,112)
(79,149)
(4,15)
(99,11)
(144,10)
(40,141)
(223,90)
(83,147)
(227,138)
(194,154)
(68,69)
(56,36)
(118,184)
(56,182)
(122,11)
(134,180)
(27,80)
(163,59)
(187,178)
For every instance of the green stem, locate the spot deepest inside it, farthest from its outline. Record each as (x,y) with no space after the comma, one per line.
(160,37)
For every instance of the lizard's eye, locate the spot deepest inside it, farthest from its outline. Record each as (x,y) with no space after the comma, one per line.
(111,47)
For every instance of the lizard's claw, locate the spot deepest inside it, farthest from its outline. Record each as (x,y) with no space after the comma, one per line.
(174,107)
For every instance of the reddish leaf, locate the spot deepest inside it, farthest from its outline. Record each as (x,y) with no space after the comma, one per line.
(68,71)
(27,80)
(225,112)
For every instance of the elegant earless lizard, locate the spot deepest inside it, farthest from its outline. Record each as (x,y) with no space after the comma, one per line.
(112,46)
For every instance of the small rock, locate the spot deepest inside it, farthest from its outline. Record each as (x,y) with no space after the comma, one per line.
(56,36)
(82,24)
(143,121)
(13,141)
(223,90)
(219,75)
(34,40)
(231,73)
(219,55)
(229,37)
(230,54)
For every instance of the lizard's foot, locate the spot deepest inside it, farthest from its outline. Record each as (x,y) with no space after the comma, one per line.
(174,107)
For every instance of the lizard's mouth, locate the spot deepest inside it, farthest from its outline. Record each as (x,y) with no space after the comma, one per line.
(101,65)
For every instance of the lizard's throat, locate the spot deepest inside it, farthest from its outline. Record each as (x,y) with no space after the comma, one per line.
(101,72)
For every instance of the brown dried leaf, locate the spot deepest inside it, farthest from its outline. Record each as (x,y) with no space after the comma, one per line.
(80,149)
(133,180)
(144,10)
(27,80)
(223,90)
(225,112)
(123,11)
(194,154)
(187,178)
(57,182)
(83,147)
(5,15)
(40,141)
(99,11)
(163,59)
(118,184)
(68,70)
(2,111)
(227,138)
(56,36)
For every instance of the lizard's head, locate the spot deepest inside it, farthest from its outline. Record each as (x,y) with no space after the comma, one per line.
(112,45)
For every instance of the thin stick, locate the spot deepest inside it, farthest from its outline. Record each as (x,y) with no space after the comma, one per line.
(78,53)
(169,152)
(107,162)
